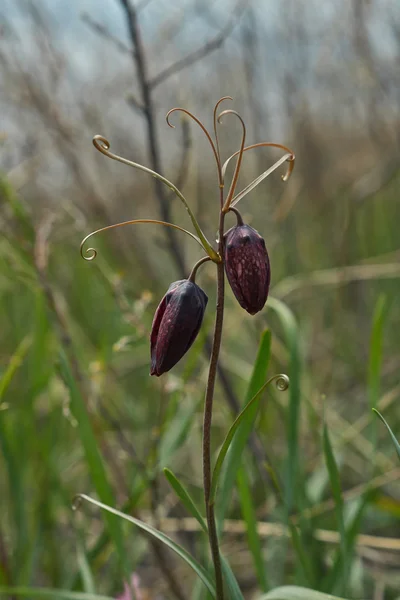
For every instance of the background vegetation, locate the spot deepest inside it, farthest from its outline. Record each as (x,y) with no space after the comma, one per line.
(319,76)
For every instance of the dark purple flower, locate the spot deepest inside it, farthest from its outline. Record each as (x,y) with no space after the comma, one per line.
(176,324)
(247,267)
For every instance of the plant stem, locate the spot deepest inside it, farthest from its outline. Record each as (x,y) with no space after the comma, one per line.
(208,406)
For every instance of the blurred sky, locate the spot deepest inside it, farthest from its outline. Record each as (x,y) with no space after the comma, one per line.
(199,19)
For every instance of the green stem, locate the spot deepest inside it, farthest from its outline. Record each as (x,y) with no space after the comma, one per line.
(208,406)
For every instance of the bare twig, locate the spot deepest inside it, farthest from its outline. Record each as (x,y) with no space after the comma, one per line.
(336,277)
(142,5)
(148,113)
(197,55)
(265,530)
(134,103)
(106,34)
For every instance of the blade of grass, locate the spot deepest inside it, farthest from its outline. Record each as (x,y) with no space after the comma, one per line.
(283,383)
(394,439)
(84,569)
(54,594)
(289,326)
(293,476)
(231,581)
(180,551)
(293,592)
(352,531)
(250,518)
(375,362)
(8,449)
(234,457)
(93,457)
(234,460)
(334,478)
(185,498)
(176,430)
(104,539)
(15,362)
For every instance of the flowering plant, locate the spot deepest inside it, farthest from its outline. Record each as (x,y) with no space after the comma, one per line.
(241,254)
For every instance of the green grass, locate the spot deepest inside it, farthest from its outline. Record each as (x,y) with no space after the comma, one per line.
(80,414)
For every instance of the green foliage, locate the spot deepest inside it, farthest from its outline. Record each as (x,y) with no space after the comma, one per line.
(334,478)
(235,450)
(36,592)
(297,593)
(180,551)
(116,438)
(393,437)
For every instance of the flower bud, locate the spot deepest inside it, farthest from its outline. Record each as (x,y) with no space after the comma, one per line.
(176,324)
(247,267)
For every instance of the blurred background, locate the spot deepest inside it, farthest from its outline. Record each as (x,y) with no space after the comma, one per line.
(321,77)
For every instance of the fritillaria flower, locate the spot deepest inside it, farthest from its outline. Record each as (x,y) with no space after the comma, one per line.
(176,324)
(241,249)
(247,267)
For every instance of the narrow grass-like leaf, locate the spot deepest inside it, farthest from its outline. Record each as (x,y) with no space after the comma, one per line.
(185,498)
(293,592)
(289,326)
(352,530)
(334,478)
(8,450)
(13,365)
(375,361)
(93,457)
(282,382)
(104,539)
(250,519)
(54,594)
(180,551)
(304,559)
(84,569)
(176,432)
(394,439)
(234,457)
(187,501)
(231,581)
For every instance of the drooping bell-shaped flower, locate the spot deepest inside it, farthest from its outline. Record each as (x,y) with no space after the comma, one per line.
(247,267)
(176,324)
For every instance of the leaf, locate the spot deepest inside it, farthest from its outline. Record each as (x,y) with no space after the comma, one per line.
(84,569)
(93,457)
(352,530)
(8,446)
(375,360)
(394,439)
(176,431)
(334,479)
(234,457)
(289,326)
(293,592)
(13,365)
(185,498)
(282,382)
(231,581)
(292,471)
(54,594)
(259,179)
(250,518)
(180,551)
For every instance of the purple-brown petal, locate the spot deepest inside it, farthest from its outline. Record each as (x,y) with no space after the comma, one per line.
(247,267)
(176,324)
